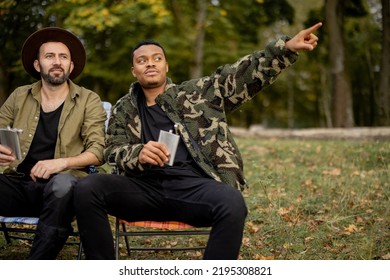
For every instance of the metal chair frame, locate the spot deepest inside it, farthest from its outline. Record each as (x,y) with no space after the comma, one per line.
(153,228)
(168,228)
(12,229)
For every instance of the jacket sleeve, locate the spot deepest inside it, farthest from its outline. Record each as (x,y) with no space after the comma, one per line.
(122,141)
(241,81)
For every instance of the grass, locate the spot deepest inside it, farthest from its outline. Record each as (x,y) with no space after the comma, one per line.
(317,199)
(308,200)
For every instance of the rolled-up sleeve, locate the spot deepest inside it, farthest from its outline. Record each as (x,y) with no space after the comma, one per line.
(93,128)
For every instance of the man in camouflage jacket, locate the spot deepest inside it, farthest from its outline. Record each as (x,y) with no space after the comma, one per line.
(202,186)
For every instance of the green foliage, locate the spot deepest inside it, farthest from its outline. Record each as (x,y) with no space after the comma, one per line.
(17,19)
(110,28)
(355,8)
(248,15)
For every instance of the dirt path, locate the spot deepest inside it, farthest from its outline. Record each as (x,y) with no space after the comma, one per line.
(358,133)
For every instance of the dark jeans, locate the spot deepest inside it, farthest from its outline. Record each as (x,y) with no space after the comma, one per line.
(188,198)
(51,201)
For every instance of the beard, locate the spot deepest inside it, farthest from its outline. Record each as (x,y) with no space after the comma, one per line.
(55,80)
(152,84)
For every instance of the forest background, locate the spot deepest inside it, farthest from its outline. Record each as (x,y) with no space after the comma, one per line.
(343,83)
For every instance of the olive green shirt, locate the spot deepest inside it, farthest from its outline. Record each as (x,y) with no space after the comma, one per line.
(80,129)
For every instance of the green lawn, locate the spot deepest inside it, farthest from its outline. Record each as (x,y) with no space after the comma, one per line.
(308,199)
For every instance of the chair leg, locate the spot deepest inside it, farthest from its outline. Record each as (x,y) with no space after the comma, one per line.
(80,250)
(126,239)
(5,231)
(117,240)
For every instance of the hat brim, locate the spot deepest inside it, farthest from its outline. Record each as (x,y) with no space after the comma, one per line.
(53,34)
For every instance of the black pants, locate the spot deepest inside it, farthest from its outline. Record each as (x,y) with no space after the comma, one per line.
(51,201)
(188,198)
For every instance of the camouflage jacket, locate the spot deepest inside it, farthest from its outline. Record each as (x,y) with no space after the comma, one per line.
(199,108)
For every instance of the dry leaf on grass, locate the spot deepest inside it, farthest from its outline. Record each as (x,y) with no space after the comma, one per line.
(261,257)
(351,229)
(252,228)
(333,172)
(386,257)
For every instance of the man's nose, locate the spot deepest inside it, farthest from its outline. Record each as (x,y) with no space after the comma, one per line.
(150,62)
(57,60)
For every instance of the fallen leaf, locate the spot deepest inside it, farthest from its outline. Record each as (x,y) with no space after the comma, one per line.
(246,241)
(351,229)
(252,228)
(359,220)
(308,239)
(333,172)
(386,257)
(284,210)
(261,257)
(308,182)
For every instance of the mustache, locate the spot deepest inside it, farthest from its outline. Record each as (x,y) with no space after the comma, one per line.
(57,68)
(151,69)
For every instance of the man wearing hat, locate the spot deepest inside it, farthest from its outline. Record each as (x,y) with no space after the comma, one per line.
(62,128)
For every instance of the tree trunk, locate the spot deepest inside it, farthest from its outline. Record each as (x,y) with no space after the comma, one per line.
(325,99)
(196,69)
(290,102)
(342,94)
(382,116)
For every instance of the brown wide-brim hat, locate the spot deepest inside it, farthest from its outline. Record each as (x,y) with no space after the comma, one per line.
(53,34)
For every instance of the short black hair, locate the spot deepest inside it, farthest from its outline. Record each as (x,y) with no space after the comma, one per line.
(143,43)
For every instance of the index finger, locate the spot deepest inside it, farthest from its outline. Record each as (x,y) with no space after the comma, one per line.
(5,150)
(160,146)
(313,28)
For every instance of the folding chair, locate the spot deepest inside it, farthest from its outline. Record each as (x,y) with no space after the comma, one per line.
(107,107)
(125,229)
(24,228)
(153,228)
(28,222)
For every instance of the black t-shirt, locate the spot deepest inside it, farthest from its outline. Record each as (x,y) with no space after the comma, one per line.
(44,142)
(154,119)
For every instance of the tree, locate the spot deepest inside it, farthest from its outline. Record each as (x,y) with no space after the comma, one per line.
(196,69)
(17,20)
(342,94)
(201,35)
(382,99)
(109,30)
(336,13)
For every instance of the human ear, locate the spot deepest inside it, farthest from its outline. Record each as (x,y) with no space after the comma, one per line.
(71,66)
(132,72)
(36,66)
